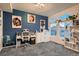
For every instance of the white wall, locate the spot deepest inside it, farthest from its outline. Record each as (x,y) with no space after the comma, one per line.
(72,10)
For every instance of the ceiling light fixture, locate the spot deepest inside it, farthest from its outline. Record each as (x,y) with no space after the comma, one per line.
(40,5)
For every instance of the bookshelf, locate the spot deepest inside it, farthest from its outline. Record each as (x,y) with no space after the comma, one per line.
(73,44)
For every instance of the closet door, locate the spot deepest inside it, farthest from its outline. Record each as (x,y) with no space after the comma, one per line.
(1,28)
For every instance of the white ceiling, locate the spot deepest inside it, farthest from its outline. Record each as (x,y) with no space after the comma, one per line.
(48,10)
(5,7)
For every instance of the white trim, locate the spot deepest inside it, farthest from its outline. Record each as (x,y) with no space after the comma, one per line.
(10,46)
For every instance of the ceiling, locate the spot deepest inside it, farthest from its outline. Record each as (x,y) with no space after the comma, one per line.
(5,7)
(48,10)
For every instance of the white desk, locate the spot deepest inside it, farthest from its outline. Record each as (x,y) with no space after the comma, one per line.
(42,37)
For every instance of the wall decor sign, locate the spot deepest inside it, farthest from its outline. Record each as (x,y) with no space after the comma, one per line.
(16,21)
(31,18)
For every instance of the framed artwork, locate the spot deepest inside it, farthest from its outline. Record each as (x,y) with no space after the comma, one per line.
(16,21)
(42,25)
(31,18)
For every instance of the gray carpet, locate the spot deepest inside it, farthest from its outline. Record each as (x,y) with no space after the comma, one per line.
(41,49)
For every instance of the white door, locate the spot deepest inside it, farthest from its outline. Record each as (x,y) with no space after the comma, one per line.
(1,28)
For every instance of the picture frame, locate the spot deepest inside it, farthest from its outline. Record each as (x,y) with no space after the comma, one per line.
(16,21)
(31,18)
(42,25)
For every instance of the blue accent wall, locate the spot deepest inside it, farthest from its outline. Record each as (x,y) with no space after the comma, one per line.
(7,23)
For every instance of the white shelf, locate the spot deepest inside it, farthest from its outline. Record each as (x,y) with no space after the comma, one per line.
(77,41)
(25,36)
(71,42)
(71,48)
(33,36)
